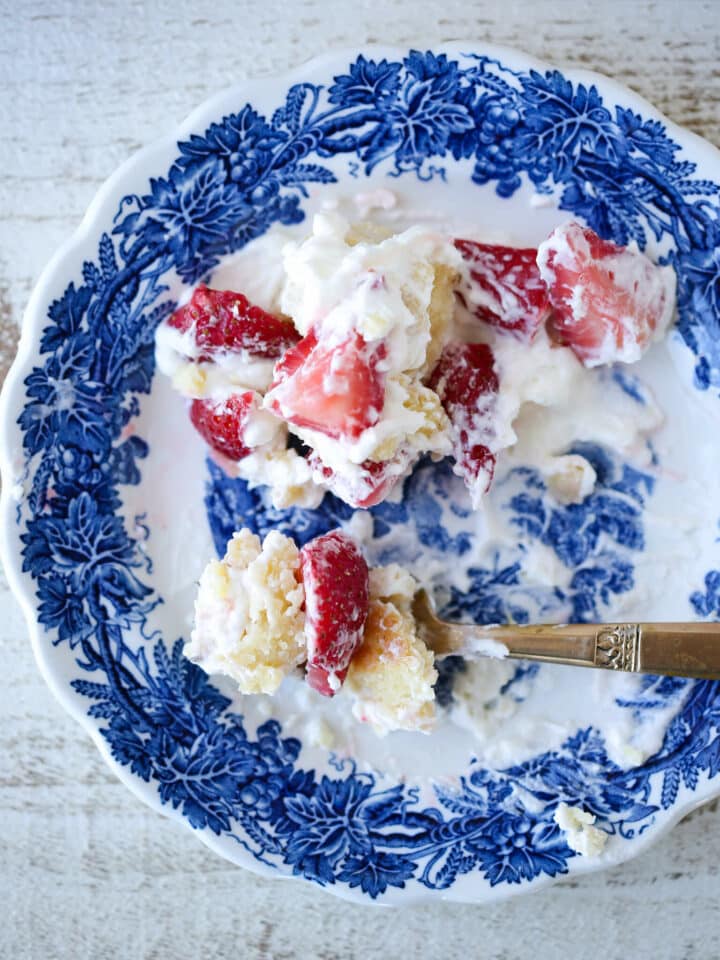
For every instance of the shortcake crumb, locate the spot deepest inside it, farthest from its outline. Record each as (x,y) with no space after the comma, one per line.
(249,619)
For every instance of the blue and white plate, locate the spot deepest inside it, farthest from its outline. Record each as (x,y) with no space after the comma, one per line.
(110,511)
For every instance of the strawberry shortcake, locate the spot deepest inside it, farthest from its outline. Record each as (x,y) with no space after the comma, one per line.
(385,347)
(380,348)
(265,610)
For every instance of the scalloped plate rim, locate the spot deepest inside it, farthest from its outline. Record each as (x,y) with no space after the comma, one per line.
(12,392)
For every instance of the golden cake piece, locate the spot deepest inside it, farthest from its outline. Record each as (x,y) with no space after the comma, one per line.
(442,306)
(190,380)
(425,427)
(287,474)
(392,673)
(249,618)
(365,231)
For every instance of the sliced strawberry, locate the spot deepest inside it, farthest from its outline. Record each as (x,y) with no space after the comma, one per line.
(222,423)
(335,577)
(294,358)
(369,483)
(466,382)
(335,388)
(227,321)
(504,288)
(607,301)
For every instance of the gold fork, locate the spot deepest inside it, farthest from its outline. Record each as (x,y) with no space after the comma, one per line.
(669,649)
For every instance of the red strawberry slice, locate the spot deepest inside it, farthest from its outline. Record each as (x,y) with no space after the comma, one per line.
(222,423)
(369,483)
(335,388)
(335,577)
(227,321)
(607,301)
(503,288)
(294,358)
(466,382)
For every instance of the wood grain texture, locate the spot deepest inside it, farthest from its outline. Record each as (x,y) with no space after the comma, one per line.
(87,871)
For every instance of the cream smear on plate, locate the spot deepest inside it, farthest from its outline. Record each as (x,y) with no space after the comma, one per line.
(547,402)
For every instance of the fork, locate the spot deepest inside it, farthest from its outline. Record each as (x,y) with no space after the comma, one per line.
(667,649)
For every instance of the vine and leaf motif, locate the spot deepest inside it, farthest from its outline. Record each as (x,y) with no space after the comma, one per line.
(160,715)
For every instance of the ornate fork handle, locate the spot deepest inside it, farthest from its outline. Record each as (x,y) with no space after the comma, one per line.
(672,649)
(618,647)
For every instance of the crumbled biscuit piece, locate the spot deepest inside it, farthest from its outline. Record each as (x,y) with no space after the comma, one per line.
(392,673)
(249,619)
(425,419)
(190,380)
(442,304)
(570,478)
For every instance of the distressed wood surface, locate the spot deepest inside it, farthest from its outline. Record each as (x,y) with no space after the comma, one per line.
(86,870)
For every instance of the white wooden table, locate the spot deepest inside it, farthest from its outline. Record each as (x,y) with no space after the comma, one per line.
(85,869)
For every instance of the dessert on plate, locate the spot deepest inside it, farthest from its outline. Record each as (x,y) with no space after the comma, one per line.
(381,348)
(266,609)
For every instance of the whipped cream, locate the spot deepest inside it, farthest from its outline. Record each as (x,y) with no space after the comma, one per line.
(344,280)
(335,284)
(397,290)
(547,402)
(176,355)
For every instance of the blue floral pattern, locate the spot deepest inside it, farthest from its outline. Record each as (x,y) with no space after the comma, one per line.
(595,539)
(161,716)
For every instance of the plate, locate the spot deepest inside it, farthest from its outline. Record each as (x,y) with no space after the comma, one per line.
(109,510)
